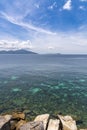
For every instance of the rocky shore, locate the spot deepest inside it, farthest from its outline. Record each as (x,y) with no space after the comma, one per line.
(18,121)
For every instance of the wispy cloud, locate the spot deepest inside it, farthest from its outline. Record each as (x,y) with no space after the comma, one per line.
(82,8)
(27,26)
(37,6)
(67,5)
(83,0)
(51,7)
(45,41)
(25,29)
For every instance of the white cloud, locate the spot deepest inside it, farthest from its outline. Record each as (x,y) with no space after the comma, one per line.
(51,7)
(45,43)
(26,26)
(51,47)
(67,5)
(82,8)
(73,43)
(15,44)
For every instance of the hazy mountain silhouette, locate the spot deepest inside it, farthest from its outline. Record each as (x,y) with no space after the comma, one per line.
(17,52)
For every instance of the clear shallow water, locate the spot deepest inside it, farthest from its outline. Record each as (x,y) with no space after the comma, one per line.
(44,83)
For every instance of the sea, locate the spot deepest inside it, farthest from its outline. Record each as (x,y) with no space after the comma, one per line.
(38,84)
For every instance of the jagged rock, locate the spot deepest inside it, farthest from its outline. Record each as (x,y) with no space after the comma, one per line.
(13,124)
(32,126)
(19,124)
(53,124)
(44,118)
(18,116)
(67,123)
(5,122)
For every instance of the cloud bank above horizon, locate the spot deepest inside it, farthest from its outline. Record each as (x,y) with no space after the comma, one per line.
(44,26)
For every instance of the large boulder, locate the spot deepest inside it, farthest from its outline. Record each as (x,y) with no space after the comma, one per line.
(53,124)
(5,122)
(32,126)
(67,122)
(44,118)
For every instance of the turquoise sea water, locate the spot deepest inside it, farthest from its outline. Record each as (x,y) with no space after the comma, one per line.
(44,84)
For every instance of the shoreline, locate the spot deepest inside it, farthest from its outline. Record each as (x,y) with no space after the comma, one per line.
(19,121)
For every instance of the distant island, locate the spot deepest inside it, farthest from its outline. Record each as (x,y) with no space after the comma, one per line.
(17,52)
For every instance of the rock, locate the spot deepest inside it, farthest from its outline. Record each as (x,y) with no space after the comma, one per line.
(19,124)
(67,123)
(8,117)
(32,126)
(5,122)
(44,118)
(53,124)
(13,124)
(83,129)
(27,111)
(18,116)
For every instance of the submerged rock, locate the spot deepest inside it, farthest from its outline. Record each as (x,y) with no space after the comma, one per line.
(53,124)
(34,90)
(5,122)
(33,126)
(78,122)
(82,80)
(67,122)
(16,90)
(14,77)
(44,118)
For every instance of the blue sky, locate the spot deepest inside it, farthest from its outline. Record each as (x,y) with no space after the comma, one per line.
(44,26)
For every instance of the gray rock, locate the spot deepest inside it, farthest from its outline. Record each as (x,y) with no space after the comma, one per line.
(67,122)
(44,118)
(53,124)
(5,122)
(32,126)
(83,129)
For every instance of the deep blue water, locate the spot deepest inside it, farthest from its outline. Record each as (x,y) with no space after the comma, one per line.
(44,83)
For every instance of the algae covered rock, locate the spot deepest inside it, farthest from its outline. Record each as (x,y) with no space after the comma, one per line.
(18,116)
(67,122)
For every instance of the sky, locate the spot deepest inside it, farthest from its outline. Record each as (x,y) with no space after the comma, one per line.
(44,26)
